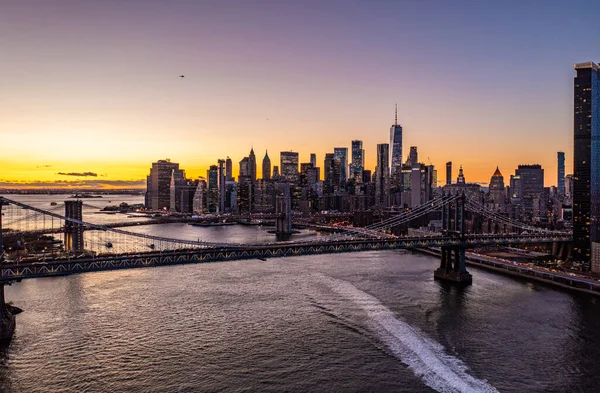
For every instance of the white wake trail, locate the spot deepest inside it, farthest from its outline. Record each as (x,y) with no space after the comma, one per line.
(424,356)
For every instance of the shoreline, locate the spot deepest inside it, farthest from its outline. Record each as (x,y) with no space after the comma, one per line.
(526,273)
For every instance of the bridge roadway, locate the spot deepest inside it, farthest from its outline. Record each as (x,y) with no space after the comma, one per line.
(15,271)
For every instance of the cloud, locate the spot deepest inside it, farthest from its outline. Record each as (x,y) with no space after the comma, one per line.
(80,174)
(72,184)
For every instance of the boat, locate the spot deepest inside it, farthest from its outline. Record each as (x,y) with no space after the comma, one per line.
(53,203)
(211,224)
(83,196)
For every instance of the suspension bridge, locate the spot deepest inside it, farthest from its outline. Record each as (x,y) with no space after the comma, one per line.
(35,242)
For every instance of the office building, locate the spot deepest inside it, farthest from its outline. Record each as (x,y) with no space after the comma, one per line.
(332,168)
(252,166)
(212,192)
(228,169)
(266,167)
(158,192)
(358,160)
(586,167)
(176,185)
(560,183)
(313,159)
(382,175)
(395,146)
(413,156)
(221,186)
(497,194)
(341,153)
(289,165)
(449,172)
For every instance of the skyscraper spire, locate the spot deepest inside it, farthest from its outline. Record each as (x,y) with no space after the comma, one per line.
(396,118)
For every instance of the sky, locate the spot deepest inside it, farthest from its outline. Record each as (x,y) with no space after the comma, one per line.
(91,93)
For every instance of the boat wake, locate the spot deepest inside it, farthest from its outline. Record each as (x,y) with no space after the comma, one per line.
(424,356)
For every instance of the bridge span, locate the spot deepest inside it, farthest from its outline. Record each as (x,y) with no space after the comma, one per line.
(452,242)
(14,271)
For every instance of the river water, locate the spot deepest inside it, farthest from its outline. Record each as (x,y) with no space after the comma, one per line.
(358,322)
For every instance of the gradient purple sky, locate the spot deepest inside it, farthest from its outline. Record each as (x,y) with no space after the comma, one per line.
(92,86)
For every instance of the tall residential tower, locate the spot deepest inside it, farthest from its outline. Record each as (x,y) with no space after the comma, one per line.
(586,166)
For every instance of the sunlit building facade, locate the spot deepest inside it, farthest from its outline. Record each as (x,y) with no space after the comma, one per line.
(158,191)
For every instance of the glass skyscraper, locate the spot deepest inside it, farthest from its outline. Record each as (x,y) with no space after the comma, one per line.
(358,160)
(341,153)
(561,173)
(382,175)
(396,145)
(586,166)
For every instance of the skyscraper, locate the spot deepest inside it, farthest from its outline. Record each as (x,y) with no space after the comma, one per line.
(561,173)
(358,160)
(313,159)
(266,167)
(332,174)
(289,165)
(413,156)
(212,197)
(158,193)
(228,169)
(244,168)
(449,172)
(341,153)
(382,174)
(586,167)
(252,166)
(497,195)
(396,145)
(221,186)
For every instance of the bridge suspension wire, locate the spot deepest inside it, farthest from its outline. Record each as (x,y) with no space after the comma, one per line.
(30,216)
(494,216)
(92,226)
(417,212)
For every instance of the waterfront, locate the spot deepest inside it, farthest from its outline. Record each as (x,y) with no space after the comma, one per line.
(372,321)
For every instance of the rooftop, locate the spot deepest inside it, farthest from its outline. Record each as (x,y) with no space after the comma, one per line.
(589,64)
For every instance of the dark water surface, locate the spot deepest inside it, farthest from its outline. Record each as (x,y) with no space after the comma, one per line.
(371,321)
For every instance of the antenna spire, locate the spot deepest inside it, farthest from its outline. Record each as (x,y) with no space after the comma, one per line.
(396,118)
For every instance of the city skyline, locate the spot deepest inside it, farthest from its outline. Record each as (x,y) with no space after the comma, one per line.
(91,89)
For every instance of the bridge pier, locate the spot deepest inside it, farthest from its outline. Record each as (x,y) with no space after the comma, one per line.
(7,319)
(283,222)
(453,224)
(73,231)
(452,267)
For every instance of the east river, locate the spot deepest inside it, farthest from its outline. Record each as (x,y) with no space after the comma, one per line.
(358,322)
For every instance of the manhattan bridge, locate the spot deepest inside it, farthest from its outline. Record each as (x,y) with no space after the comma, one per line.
(35,242)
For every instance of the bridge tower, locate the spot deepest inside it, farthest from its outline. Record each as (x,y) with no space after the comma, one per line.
(7,319)
(73,230)
(283,208)
(452,267)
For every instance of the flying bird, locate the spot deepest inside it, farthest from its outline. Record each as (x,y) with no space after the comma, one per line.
(182,76)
